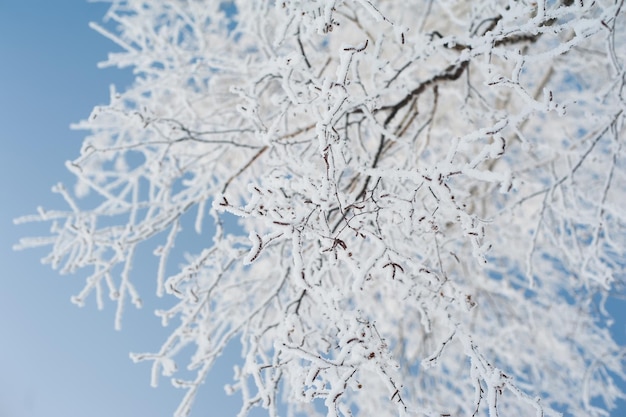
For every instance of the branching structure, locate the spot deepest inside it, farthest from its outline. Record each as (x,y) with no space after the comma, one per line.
(429,194)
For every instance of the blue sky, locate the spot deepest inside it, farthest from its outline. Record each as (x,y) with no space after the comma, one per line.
(57,359)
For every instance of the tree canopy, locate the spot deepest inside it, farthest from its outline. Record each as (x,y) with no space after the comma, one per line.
(427,194)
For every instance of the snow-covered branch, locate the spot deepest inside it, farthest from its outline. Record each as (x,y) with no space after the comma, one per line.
(428,198)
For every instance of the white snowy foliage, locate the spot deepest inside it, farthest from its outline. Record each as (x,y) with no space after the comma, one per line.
(428,196)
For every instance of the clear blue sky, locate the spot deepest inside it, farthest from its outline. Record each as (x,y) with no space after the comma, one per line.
(57,360)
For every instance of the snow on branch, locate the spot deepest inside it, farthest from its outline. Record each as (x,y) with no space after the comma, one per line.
(428,200)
